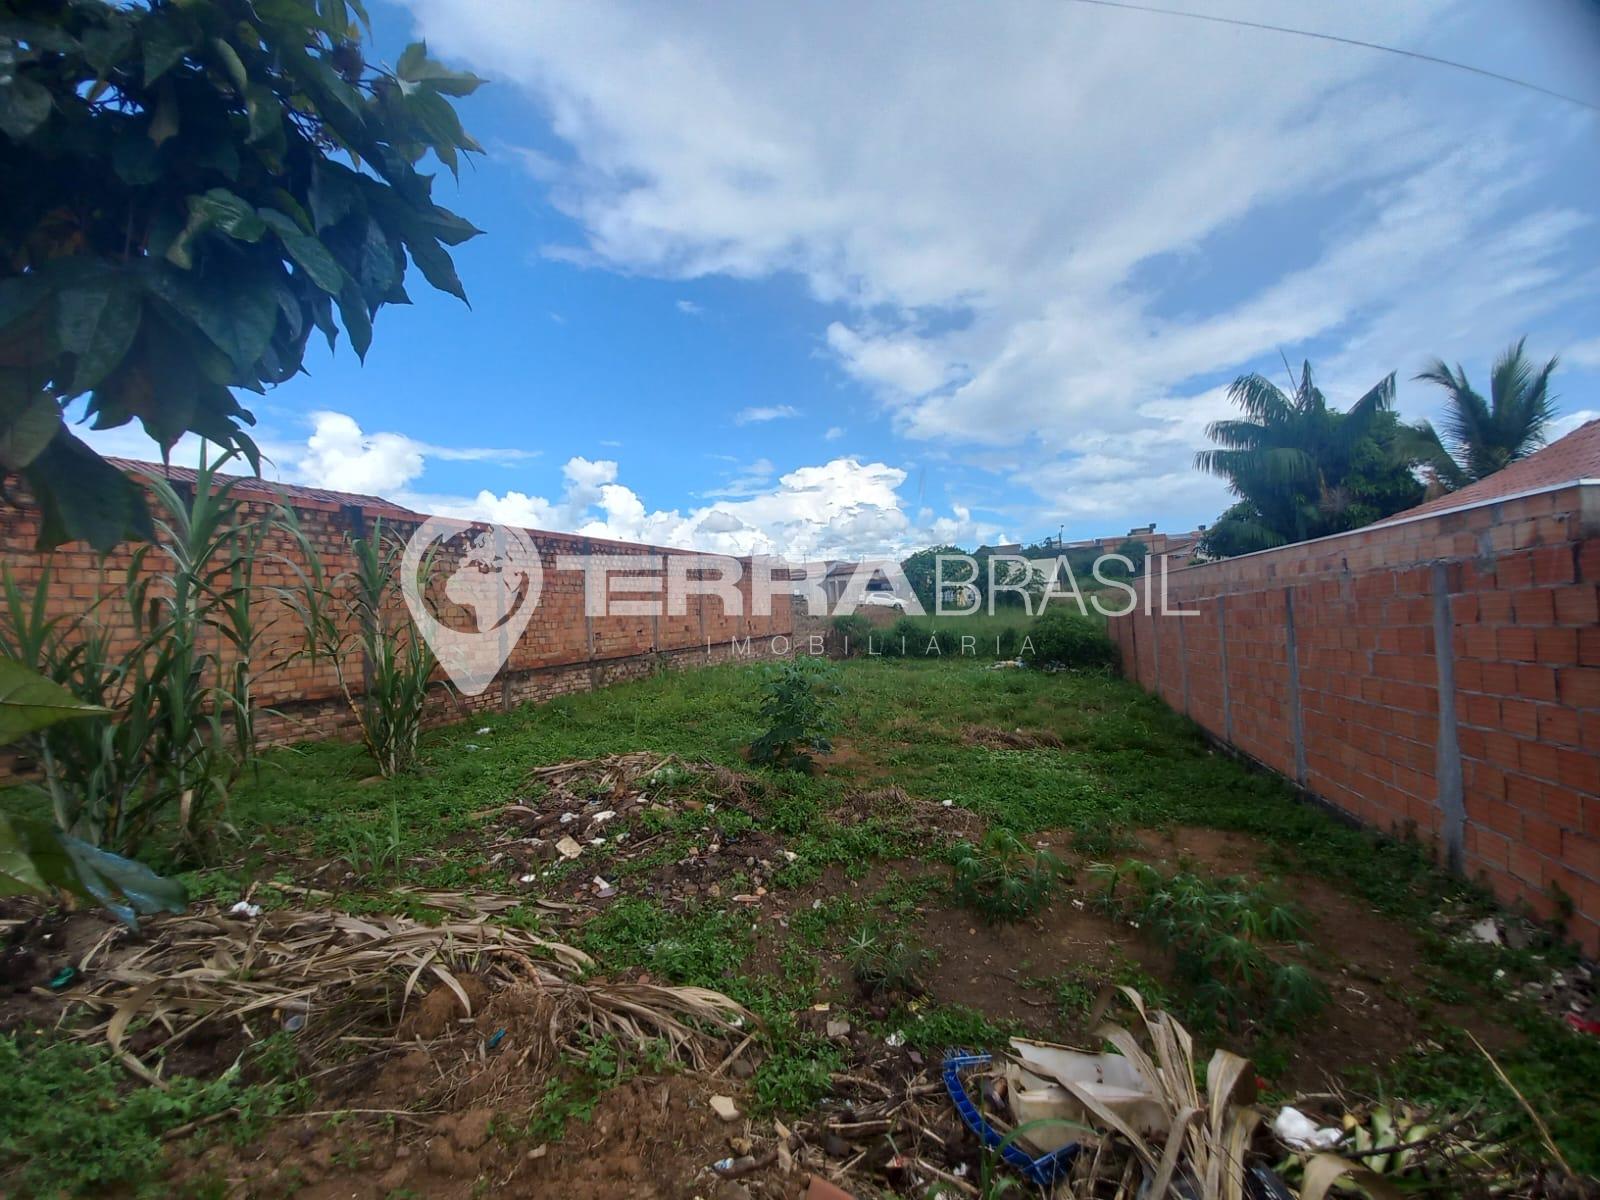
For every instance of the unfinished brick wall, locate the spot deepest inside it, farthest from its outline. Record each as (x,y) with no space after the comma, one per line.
(561,650)
(1439,675)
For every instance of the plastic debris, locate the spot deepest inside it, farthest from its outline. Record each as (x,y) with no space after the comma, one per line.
(568,848)
(1300,1132)
(294,1022)
(245,909)
(1486,931)
(486,729)
(725,1108)
(604,888)
(496,1038)
(1044,1082)
(603,816)
(63,978)
(895,1040)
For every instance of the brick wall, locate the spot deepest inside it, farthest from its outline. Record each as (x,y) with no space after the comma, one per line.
(561,650)
(1437,676)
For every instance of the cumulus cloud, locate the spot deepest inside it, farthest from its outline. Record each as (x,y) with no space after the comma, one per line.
(340,456)
(835,432)
(998,199)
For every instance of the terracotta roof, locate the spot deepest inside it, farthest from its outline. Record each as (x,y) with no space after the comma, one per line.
(250,484)
(1574,457)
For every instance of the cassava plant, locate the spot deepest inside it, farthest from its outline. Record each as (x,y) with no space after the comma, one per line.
(795,705)
(178,725)
(1004,878)
(1227,936)
(357,623)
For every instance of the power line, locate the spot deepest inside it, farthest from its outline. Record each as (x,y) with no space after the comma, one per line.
(1333,37)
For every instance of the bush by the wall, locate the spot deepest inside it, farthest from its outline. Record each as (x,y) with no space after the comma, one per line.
(1071,640)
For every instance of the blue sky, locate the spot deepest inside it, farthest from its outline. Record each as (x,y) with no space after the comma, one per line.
(848,278)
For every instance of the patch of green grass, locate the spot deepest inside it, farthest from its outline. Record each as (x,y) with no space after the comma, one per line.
(76,1124)
(704,947)
(795,1073)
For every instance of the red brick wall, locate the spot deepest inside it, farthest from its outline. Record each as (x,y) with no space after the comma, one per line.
(1489,751)
(560,651)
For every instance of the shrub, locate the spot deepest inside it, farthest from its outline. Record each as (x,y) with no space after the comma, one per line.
(851,632)
(795,706)
(1071,640)
(1003,878)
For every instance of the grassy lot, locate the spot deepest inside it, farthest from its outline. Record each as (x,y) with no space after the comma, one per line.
(862,905)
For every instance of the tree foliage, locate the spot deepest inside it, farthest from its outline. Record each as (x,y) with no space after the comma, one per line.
(1484,436)
(192,189)
(1302,469)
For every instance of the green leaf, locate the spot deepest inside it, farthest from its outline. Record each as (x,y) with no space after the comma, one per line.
(24,106)
(228,212)
(96,321)
(26,433)
(29,701)
(357,321)
(434,263)
(266,113)
(308,253)
(164,44)
(84,498)
(231,64)
(31,860)
(412,60)
(449,228)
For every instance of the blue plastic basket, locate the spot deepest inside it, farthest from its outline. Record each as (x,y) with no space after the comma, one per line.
(1043,1171)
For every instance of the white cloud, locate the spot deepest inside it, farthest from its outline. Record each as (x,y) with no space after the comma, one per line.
(841,508)
(339,456)
(689,308)
(759,414)
(835,432)
(1565,424)
(903,364)
(996,197)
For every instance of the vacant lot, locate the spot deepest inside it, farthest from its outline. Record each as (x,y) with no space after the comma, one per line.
(981,852)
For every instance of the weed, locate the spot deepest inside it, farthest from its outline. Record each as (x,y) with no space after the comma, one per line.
(796,1072)
(87,1130)
(886,960)
(1003,878)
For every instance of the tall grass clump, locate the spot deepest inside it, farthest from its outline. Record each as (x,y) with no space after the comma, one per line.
(357,622)
(180,724)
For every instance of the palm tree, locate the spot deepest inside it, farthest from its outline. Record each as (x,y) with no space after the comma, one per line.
(1302,469)
(1482,437)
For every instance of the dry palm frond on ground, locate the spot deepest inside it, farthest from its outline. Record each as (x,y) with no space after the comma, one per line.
(619,776)
(329,973)
(1011,739)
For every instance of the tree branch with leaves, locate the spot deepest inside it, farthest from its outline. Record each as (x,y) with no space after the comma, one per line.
(192,190)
